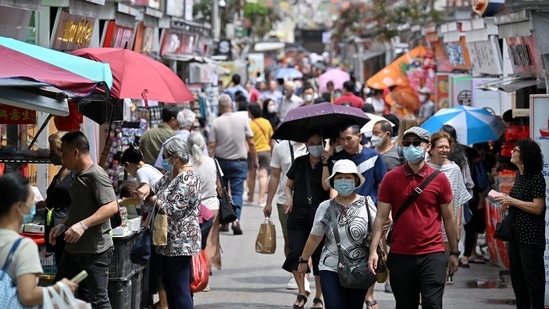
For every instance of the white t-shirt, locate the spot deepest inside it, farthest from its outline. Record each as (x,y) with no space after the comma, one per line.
(148,174)
(281,158)
(208,180)
(25,260)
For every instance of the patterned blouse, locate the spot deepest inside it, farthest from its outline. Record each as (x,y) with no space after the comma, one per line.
(180,201)
(529,228)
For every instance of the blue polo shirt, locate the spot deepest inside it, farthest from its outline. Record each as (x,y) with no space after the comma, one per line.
(370,165)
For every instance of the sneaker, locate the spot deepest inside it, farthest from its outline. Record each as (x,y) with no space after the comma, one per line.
(307,286)
(292,285)
(207,288)
(450,279)
(388,288)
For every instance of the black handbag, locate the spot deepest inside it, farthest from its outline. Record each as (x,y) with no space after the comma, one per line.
(141,250)
(504,229)
(417,191)
(227,208)
(353,271)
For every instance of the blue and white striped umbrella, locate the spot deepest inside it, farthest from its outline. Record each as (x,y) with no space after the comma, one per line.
(473,125)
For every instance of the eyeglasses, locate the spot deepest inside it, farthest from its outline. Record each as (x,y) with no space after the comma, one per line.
(416,142)
(515,149)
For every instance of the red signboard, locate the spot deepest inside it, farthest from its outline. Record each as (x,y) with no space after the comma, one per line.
(118,36)
(178,43)
(16,115)
(72,32)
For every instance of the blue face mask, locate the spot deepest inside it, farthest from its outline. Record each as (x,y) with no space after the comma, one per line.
(344,187)
(316,151)
(166,165)
(413,154)
(27,218)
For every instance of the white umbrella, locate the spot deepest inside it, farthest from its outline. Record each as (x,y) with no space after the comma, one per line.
(369,126)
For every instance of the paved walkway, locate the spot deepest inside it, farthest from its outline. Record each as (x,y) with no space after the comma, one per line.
(252,280)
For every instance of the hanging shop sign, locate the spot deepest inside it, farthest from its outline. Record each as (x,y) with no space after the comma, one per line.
(16,115)
(442,91)
(118,36)
(72,31)
(524,56)
(144,39)
(177,43)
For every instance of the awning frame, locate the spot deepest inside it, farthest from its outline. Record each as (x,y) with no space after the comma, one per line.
(509,84)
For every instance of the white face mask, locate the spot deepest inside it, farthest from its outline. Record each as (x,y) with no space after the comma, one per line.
(422,97)
(376,140)
(271,109)
(309,98)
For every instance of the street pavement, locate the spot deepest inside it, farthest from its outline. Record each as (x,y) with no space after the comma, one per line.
(252,280)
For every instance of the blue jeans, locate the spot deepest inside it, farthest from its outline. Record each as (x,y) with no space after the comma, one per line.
(234,174)
(176,277)
(94,288)
(337,297)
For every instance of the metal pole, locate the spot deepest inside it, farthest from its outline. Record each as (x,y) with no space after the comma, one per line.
(216,21)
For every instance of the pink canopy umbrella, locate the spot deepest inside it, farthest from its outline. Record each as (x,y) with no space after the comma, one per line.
(337,76)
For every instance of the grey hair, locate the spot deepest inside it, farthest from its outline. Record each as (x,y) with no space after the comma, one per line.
(196,144)
(225,101)
(185,118)
(291,85)
(176,147)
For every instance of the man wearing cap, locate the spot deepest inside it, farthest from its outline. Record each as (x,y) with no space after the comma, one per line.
(417,260)
(427,108)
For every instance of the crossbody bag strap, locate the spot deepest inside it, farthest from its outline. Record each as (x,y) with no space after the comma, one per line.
(225,195)
(291,151)
(260,128)
(417,192)
(334,222)
(308,183)
(10,257)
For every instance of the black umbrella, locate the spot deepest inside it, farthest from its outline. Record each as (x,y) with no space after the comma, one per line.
(325,117)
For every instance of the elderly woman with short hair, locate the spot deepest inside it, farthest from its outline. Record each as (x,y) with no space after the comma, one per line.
(178,193)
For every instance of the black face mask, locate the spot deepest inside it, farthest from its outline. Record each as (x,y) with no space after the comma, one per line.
(55,159)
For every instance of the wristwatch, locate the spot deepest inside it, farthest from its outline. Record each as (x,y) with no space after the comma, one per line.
(302,261)
(456,253)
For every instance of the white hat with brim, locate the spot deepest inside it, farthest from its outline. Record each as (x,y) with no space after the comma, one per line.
(345,167)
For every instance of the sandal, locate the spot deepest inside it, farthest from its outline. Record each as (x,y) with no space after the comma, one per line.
(370,304)
(300,298)
(317,301)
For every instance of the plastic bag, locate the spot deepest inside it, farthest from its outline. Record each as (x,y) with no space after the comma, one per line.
(200,272)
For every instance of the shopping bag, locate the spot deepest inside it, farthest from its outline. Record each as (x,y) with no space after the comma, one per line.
(160,230)
(141,251)
(63,300)
(200,272)
(266,238)
(8,290)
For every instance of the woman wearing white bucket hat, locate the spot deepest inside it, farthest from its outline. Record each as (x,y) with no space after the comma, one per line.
(352,225)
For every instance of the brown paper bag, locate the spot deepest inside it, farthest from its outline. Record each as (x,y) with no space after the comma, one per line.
(160,230)
(266,238)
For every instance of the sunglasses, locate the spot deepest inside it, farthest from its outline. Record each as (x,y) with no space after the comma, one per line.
(416,142)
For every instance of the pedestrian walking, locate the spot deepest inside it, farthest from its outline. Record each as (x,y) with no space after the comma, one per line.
(352,225)
(152,140)
(417,260)
(229,140)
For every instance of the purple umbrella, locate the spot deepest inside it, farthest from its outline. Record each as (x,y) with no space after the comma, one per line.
(325,117)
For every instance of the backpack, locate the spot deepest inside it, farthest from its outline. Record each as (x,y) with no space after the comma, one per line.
(481,179)
(8,289)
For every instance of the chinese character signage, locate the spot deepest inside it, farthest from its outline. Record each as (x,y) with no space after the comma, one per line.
(118,36)
(16,115)
(72,32)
